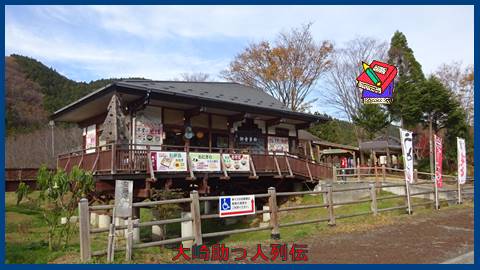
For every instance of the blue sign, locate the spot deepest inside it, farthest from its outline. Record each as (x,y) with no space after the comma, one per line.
(225,204)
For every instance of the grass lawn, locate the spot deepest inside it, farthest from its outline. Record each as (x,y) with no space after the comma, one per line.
(26,237)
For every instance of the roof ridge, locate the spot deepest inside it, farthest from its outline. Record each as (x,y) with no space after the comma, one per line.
(172,81)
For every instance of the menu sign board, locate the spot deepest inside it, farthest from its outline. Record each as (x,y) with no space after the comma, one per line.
(236,162)
(277,144)
(169,161)
(148,131)
(205,162)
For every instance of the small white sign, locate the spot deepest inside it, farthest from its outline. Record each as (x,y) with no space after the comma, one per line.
(230,206)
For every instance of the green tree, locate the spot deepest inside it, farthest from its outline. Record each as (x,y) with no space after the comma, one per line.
(372,119)
(406,105)
(336,131)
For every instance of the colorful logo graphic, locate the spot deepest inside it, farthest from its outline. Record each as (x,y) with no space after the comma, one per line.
(377,82)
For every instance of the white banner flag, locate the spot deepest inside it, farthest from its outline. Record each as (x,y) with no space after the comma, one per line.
(462,161)
(407,148)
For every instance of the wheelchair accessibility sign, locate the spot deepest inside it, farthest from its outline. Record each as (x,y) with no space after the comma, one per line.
(230,206)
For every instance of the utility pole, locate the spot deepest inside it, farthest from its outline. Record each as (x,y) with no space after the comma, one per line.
(51,123)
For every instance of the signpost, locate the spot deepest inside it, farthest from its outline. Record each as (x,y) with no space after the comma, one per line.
(123,198)
(236,162)
(205,162)
(230,206)
(169,161)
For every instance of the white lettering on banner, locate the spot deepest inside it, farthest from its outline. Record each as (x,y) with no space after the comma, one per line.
(407,149)
(462,161)
(438,161)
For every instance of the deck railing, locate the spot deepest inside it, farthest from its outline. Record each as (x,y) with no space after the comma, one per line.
(135,158)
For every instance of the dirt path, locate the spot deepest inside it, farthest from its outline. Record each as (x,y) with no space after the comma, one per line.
(432,238)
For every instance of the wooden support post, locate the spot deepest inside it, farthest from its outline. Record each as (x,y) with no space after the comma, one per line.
(331,214)
(224,169)
(376,172)
(415,175)
(84,224)
(150,164)
(274,222)
(407,196)
(290,173)
(190,167)
(114,158)
(277,166)
(334,174)
(196,219)
(94,167)
(373,197)
(129,244)
(384,172)
(252,169)
(358,172)
(459,190)
(111,239)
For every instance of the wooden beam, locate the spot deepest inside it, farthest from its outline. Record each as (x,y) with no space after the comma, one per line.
(303,126)
(195,111)
(238,117)
(275,121)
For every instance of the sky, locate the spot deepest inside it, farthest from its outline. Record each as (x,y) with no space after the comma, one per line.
(87,43)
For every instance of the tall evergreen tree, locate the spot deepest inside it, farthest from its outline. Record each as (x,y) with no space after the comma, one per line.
(372,118)
(406,106)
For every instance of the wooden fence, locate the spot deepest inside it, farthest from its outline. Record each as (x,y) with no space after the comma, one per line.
(274,225)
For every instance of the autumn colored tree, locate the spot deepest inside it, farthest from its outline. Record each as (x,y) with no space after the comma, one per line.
(287,69)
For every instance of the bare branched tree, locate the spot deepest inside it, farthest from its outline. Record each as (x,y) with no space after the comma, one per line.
(460,81)
(194,77)
(346,66)
(286,69)
(31,150)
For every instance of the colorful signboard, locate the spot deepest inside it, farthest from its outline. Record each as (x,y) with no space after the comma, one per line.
(169,161)
(236,162)
(148,130)
(407,148)
(205,162)
(230,206)
(462,161)
(91,139)
(438,161)
(277,144)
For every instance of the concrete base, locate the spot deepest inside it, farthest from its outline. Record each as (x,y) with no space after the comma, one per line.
(187,229)
(103,221)
(266,216)
(94,220)
(158,231)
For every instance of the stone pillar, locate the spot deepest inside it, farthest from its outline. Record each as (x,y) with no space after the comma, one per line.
(187,229)
(158,231)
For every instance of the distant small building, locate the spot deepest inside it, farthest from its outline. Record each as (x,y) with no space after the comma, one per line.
(381,150)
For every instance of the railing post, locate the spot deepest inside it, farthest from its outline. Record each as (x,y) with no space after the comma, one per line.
(459,190)
(334,171)
(84,223)
(384,172)
(331,214)
(129,244)
(358,172)
(373,197)
(196,219)
(407,196)
(415,175)
(274,222)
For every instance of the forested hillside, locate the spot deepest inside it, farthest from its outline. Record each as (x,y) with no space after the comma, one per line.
(33,91)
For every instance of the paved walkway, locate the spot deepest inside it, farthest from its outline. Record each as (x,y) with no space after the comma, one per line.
(421,238)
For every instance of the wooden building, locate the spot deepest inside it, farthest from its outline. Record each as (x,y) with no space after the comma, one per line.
(209,136)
